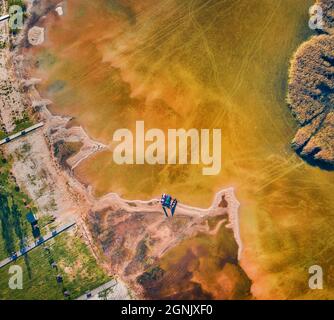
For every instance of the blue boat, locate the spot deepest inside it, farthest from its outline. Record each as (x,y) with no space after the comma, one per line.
(168,202)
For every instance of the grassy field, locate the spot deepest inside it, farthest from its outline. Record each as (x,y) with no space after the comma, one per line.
(14,205)
(74,261)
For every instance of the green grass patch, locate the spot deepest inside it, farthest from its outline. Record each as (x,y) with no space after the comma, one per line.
(23,123)
(3,135)
(17,3)
(15,230)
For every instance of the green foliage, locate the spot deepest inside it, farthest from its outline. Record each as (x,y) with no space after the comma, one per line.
(17,3)
(6,225)
(23,123)
(3,135)
(13,207)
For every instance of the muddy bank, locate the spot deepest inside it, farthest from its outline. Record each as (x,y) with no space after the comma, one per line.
(194,255)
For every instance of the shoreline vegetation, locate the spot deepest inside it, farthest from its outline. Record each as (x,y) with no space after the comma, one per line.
(311,94)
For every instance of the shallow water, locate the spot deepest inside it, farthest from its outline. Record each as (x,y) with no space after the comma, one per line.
(202,64)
